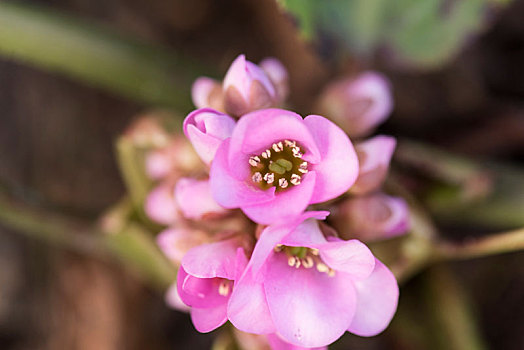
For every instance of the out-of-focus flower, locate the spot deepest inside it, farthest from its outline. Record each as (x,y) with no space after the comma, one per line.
(206,279)
(160,205)
(374,156)
(372,217)
(146,132)
(173,299)
(358,105)
(309,289)
(278,75)
(207,92)
(247,88)
(176,159)
(206,129)
(194,199)
(176,242)
(275,164)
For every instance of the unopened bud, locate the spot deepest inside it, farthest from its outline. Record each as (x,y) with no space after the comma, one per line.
(278,75)
(358,105)
(207,93)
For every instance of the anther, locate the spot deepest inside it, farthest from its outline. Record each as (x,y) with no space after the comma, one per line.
(257,177)
(331,273)
(269,178)
(321,267)
(303,167)
(296,152)
(282,183)
(307,262)
(297,263)
(254,161)
(278,147)
(291,261)
(314,251)
(278,248)
(295,179)
(223,289)
(290,143)
(266,154)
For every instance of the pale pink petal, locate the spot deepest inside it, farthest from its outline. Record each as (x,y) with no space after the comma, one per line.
(309,308)
(278,75)
(377,298)
(229,191)
(206,129)
(338,169)
(258,130)
(209,319)
(173,299)
(175,242)
(194,199)
(160,205)
(308,233)
(199,292)
(351,257)
(200,91)
(285,205)
(158,164)
(247,309)
(211,260)
(278,343)
(242,73)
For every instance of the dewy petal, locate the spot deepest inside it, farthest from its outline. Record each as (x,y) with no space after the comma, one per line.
(211,260)
(206,129)
(198,292)
(258,130)
(377,298)
(338,169)
(209,319)
(194,199)
(229,191)
(248,309)
(287,204)
(351,257)
(278,343)
(309,308)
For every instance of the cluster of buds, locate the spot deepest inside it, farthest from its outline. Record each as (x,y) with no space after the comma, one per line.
(240,226)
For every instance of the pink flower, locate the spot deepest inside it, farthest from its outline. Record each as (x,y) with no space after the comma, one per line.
(372,217)
(205,281)
(310,290)
(278,75)
(160,205)
(194,199)
(358,104)
(206,128)
(207,92)
(247,88)
(275,164)
(374,156)
(176,242)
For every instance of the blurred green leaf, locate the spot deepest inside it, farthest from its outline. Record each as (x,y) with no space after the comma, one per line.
(423,33)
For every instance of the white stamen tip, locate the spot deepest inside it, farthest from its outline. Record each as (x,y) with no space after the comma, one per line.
(321,267)
(266,154)
(223,289)
(308,262)
(269,178)
(254,161)
(282,183)
(291,261)
(257,177)
(278,147)
(314,251)
(295,179)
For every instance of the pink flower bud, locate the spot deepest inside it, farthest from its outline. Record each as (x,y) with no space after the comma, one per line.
(246,88)
(374,156)
(195,201)
(372,217)
(357,105)
(278,75)
(206,129)
(207,93)
(160,204)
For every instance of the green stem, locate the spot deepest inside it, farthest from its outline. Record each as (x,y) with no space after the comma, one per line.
(96,55)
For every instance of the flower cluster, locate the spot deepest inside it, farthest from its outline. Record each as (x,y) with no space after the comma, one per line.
(251,248)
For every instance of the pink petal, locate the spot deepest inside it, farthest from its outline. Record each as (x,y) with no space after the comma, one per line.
(194,199)
(307,234)
(175,242)
(309,308)
(199,292)
(351,257)
(377,298)
(160,205)
(209,319)
(258,130)
(206,129)
(200,91)
(286,204)
(211,260)
(338,169)
(173,299)
(277,343)
(242,73)
(248,309)
(227,190)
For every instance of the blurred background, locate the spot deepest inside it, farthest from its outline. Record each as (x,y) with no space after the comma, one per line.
(458,82)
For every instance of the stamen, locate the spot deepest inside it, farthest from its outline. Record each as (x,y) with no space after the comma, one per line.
(303,167)
(331,273)
(257,177)
(307,262)
(269,178)
(296,152)
(223,288)
(278,248)
(291,261)
(314,251)
(290,143)
(295,179)
(254,161)
(321,267)
(282,183)
(278,147)
(266,154)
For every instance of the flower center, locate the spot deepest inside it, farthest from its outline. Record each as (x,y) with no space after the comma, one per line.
(304,257)
(281,165)
(225,287)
